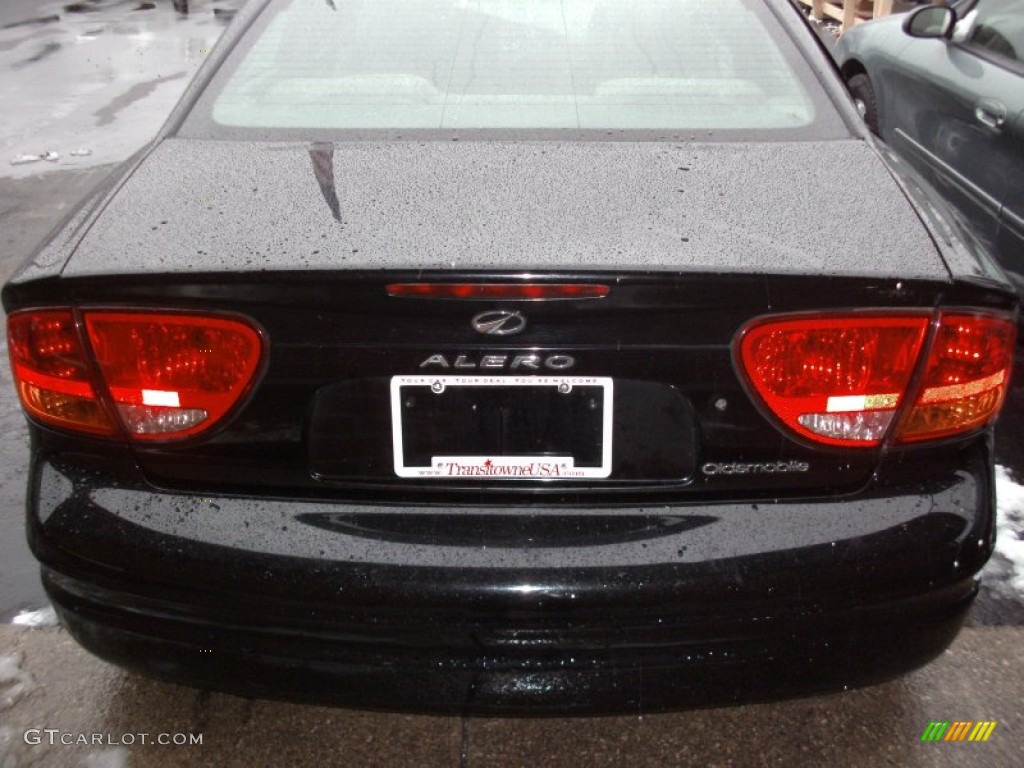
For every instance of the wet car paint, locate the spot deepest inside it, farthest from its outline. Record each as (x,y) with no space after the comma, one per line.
(109,111)
(199,200)
(375,610)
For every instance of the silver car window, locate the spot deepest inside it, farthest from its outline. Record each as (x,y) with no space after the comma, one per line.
(998,29)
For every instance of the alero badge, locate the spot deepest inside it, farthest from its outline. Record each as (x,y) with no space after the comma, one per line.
(499,322)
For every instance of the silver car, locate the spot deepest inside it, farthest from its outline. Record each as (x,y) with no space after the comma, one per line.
(945,87)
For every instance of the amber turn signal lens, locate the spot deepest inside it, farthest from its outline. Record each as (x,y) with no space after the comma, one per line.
(51,372)
(966,379)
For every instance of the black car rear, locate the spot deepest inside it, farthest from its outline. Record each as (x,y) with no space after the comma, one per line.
(527,422)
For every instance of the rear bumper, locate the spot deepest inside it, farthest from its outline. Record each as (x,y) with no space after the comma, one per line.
(604,610)
(562,672)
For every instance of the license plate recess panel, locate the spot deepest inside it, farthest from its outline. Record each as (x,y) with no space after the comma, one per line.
(502,427)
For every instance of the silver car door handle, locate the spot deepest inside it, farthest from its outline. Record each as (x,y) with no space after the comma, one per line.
(990,113)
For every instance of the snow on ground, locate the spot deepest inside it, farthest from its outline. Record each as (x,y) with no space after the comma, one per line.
(14,681)
(1010,525)
(44,617)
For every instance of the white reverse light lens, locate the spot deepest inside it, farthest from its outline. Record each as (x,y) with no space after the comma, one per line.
(155,420)
(869,425)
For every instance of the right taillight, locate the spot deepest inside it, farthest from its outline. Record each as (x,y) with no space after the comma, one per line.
(842,379)
(965,379)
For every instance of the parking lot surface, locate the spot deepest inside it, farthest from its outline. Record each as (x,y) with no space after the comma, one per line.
(68,691)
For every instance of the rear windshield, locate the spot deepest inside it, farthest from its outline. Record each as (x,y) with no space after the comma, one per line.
(309,67)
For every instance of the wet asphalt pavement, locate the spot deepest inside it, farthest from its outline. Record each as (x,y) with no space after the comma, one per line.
(978,678)
(89,82)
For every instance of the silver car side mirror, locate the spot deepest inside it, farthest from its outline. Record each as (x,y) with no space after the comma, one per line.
(935,21)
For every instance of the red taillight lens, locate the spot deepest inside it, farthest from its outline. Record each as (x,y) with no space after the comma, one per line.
(841,380)
(498,291)
(51,372)
(967,377)
(165,375)
(172,375)
(835,380)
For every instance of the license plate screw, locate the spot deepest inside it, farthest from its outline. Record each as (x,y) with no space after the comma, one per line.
(565,388)
(437,387)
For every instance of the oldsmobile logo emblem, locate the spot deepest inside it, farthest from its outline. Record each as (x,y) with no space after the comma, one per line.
(499,322)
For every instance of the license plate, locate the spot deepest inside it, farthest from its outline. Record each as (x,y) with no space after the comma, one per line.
(502,427)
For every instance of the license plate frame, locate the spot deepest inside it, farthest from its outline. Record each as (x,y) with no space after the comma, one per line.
(445,465)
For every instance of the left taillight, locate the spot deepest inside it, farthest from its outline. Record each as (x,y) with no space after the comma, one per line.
(161,375)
